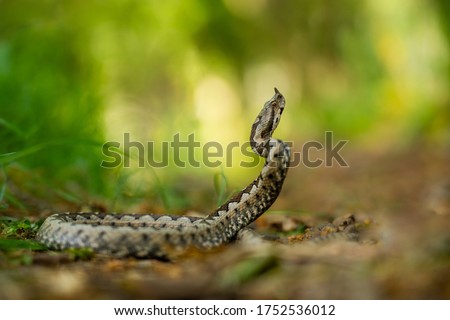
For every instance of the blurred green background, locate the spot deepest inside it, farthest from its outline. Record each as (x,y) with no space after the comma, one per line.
(75,74)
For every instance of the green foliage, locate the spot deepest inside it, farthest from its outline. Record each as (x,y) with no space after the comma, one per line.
(221,187)
(249,269)
(50,100)
(17,228)
(15,246)
(80,254)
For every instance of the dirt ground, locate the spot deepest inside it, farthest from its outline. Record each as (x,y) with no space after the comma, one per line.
(401,203)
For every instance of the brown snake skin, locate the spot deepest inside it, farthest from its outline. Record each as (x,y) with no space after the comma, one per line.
(155,236)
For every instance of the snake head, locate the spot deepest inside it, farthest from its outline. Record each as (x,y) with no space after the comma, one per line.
(266,122)
(277,103)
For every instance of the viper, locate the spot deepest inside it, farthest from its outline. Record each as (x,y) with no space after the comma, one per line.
(156,236)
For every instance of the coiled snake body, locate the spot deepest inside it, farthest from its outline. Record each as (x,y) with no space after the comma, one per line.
(149,235)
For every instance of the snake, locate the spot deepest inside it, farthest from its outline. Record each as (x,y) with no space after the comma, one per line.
(157,236)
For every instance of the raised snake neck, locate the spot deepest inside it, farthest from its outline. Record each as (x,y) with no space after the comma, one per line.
(150,235)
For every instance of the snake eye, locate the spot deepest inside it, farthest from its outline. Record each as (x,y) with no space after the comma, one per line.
(274,103)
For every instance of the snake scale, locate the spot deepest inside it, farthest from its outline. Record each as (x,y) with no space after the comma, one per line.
(155,236)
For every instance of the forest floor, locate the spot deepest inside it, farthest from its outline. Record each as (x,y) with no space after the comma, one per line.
(401,203)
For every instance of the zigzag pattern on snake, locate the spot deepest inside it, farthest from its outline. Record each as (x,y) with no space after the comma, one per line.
(149,235)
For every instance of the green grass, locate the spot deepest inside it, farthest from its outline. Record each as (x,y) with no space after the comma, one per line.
(20,229)
(51,107)
(16,241)
(221,187)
